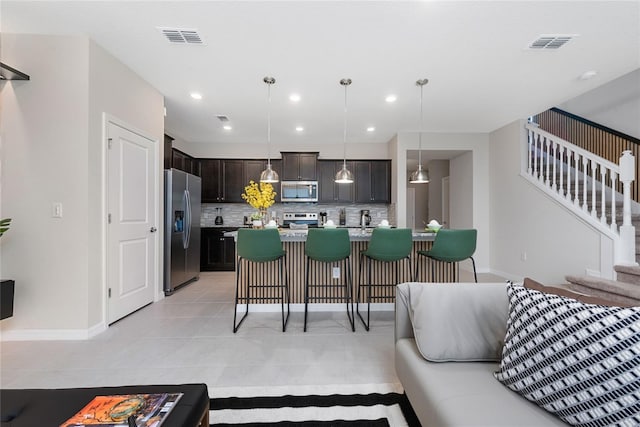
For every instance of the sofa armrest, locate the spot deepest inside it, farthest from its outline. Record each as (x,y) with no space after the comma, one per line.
(403,328)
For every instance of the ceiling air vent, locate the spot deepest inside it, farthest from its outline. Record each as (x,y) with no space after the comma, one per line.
(222,118)
(181,35)
(551,41)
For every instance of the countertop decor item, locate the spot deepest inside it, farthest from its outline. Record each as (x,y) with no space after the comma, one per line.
(269,175)
(344,175)
(259,196)
(420,176)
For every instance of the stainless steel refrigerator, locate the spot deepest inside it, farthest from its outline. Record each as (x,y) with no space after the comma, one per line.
(182,229)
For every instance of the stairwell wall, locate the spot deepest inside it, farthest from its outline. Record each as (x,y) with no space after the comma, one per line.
(532,235)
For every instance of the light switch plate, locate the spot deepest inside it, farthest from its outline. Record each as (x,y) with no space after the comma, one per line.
(56,210)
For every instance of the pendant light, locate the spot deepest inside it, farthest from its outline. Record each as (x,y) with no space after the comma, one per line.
(269,175)
(344,175)
(420,176)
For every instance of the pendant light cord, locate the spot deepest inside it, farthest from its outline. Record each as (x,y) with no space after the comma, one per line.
(344,135)
(269,124)
(420,134)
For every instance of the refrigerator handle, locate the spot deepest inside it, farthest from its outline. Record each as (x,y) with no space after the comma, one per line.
(187,225)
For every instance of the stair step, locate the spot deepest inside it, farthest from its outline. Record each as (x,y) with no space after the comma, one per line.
(628,274)
(617,291)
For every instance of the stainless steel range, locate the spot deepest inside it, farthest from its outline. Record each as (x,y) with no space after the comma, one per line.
(300,218)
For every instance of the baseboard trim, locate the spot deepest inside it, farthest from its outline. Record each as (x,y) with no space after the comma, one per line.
(52,334)
(299,307)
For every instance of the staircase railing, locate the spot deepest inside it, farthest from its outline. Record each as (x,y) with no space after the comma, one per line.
(586,184)
(593,137)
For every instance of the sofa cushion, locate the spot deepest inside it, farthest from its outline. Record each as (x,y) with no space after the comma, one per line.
(458,321)
(579,361)
(462,393)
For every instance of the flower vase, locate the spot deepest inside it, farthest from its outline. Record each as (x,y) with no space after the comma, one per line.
(263,216)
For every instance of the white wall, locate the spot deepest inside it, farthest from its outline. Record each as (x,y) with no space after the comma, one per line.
(524,220)
(259,151)
(51,129)
(615,104)
(115,89)
(477,206)
(461,191)
(438,169)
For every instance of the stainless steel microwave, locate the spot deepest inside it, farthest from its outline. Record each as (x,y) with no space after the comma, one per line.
(299,191)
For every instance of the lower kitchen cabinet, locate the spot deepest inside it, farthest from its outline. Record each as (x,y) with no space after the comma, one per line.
(217,253)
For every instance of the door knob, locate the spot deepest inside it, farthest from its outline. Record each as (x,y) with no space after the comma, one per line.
(153,229)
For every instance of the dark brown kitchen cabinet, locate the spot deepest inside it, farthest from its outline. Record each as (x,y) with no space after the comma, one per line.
(168,151)
(217,253)
(222,180)
(330,191)
(232,181)
(372,181)
(253,169)
(184,162)
(299,166)
(210,174)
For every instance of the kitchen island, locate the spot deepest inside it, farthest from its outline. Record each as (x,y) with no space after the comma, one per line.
(382,273)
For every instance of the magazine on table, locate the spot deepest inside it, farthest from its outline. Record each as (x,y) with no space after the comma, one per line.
(122,410)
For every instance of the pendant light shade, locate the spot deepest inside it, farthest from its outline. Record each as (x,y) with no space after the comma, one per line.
(420,176)
(344,175)
(269,175)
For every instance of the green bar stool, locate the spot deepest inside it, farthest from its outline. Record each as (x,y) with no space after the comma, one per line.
(260,246)
(388,246)
(330,248)
(452,246)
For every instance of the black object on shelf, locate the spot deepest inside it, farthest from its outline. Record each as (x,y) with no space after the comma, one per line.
(7,288)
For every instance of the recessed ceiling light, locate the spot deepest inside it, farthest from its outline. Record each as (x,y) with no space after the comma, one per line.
(588,75)
(294,97)
(370,129)
(227,127)
(391,98)
(299,128)
(196,95)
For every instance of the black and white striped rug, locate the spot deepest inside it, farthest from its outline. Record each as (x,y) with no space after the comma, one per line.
(320,409)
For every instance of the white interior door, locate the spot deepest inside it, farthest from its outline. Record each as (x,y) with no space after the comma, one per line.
(445,202)
(132,221)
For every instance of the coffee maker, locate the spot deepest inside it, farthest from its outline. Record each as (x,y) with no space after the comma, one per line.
(365,218)
(322,219)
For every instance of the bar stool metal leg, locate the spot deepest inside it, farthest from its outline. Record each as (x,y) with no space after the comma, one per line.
(348,292)
(235,310)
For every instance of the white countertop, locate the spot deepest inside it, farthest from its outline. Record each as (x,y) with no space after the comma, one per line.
(355,234)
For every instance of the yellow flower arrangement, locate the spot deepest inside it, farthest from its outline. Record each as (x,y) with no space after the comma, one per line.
(259,196)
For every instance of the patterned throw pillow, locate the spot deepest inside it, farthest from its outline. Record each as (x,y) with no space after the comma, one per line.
(578,361)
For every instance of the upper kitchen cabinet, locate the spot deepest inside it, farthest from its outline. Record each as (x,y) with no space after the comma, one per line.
(330,191)
(372,181)
(184,162)
(222,180)
(299,166)
(168,147)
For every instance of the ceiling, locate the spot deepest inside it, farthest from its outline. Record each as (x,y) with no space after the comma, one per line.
(481,73)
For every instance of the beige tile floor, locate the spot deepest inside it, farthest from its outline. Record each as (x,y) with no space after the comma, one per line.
(188,337)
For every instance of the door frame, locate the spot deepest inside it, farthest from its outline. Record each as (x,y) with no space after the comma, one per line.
(157,211)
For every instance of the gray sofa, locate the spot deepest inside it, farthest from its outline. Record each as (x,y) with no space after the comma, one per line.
(462,390)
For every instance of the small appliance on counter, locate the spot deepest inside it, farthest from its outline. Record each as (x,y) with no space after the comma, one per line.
(365,218)
(343,217)
(322,220)
(298,218)
(218,220)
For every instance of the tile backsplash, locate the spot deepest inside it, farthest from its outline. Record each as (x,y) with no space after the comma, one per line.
(233,213)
